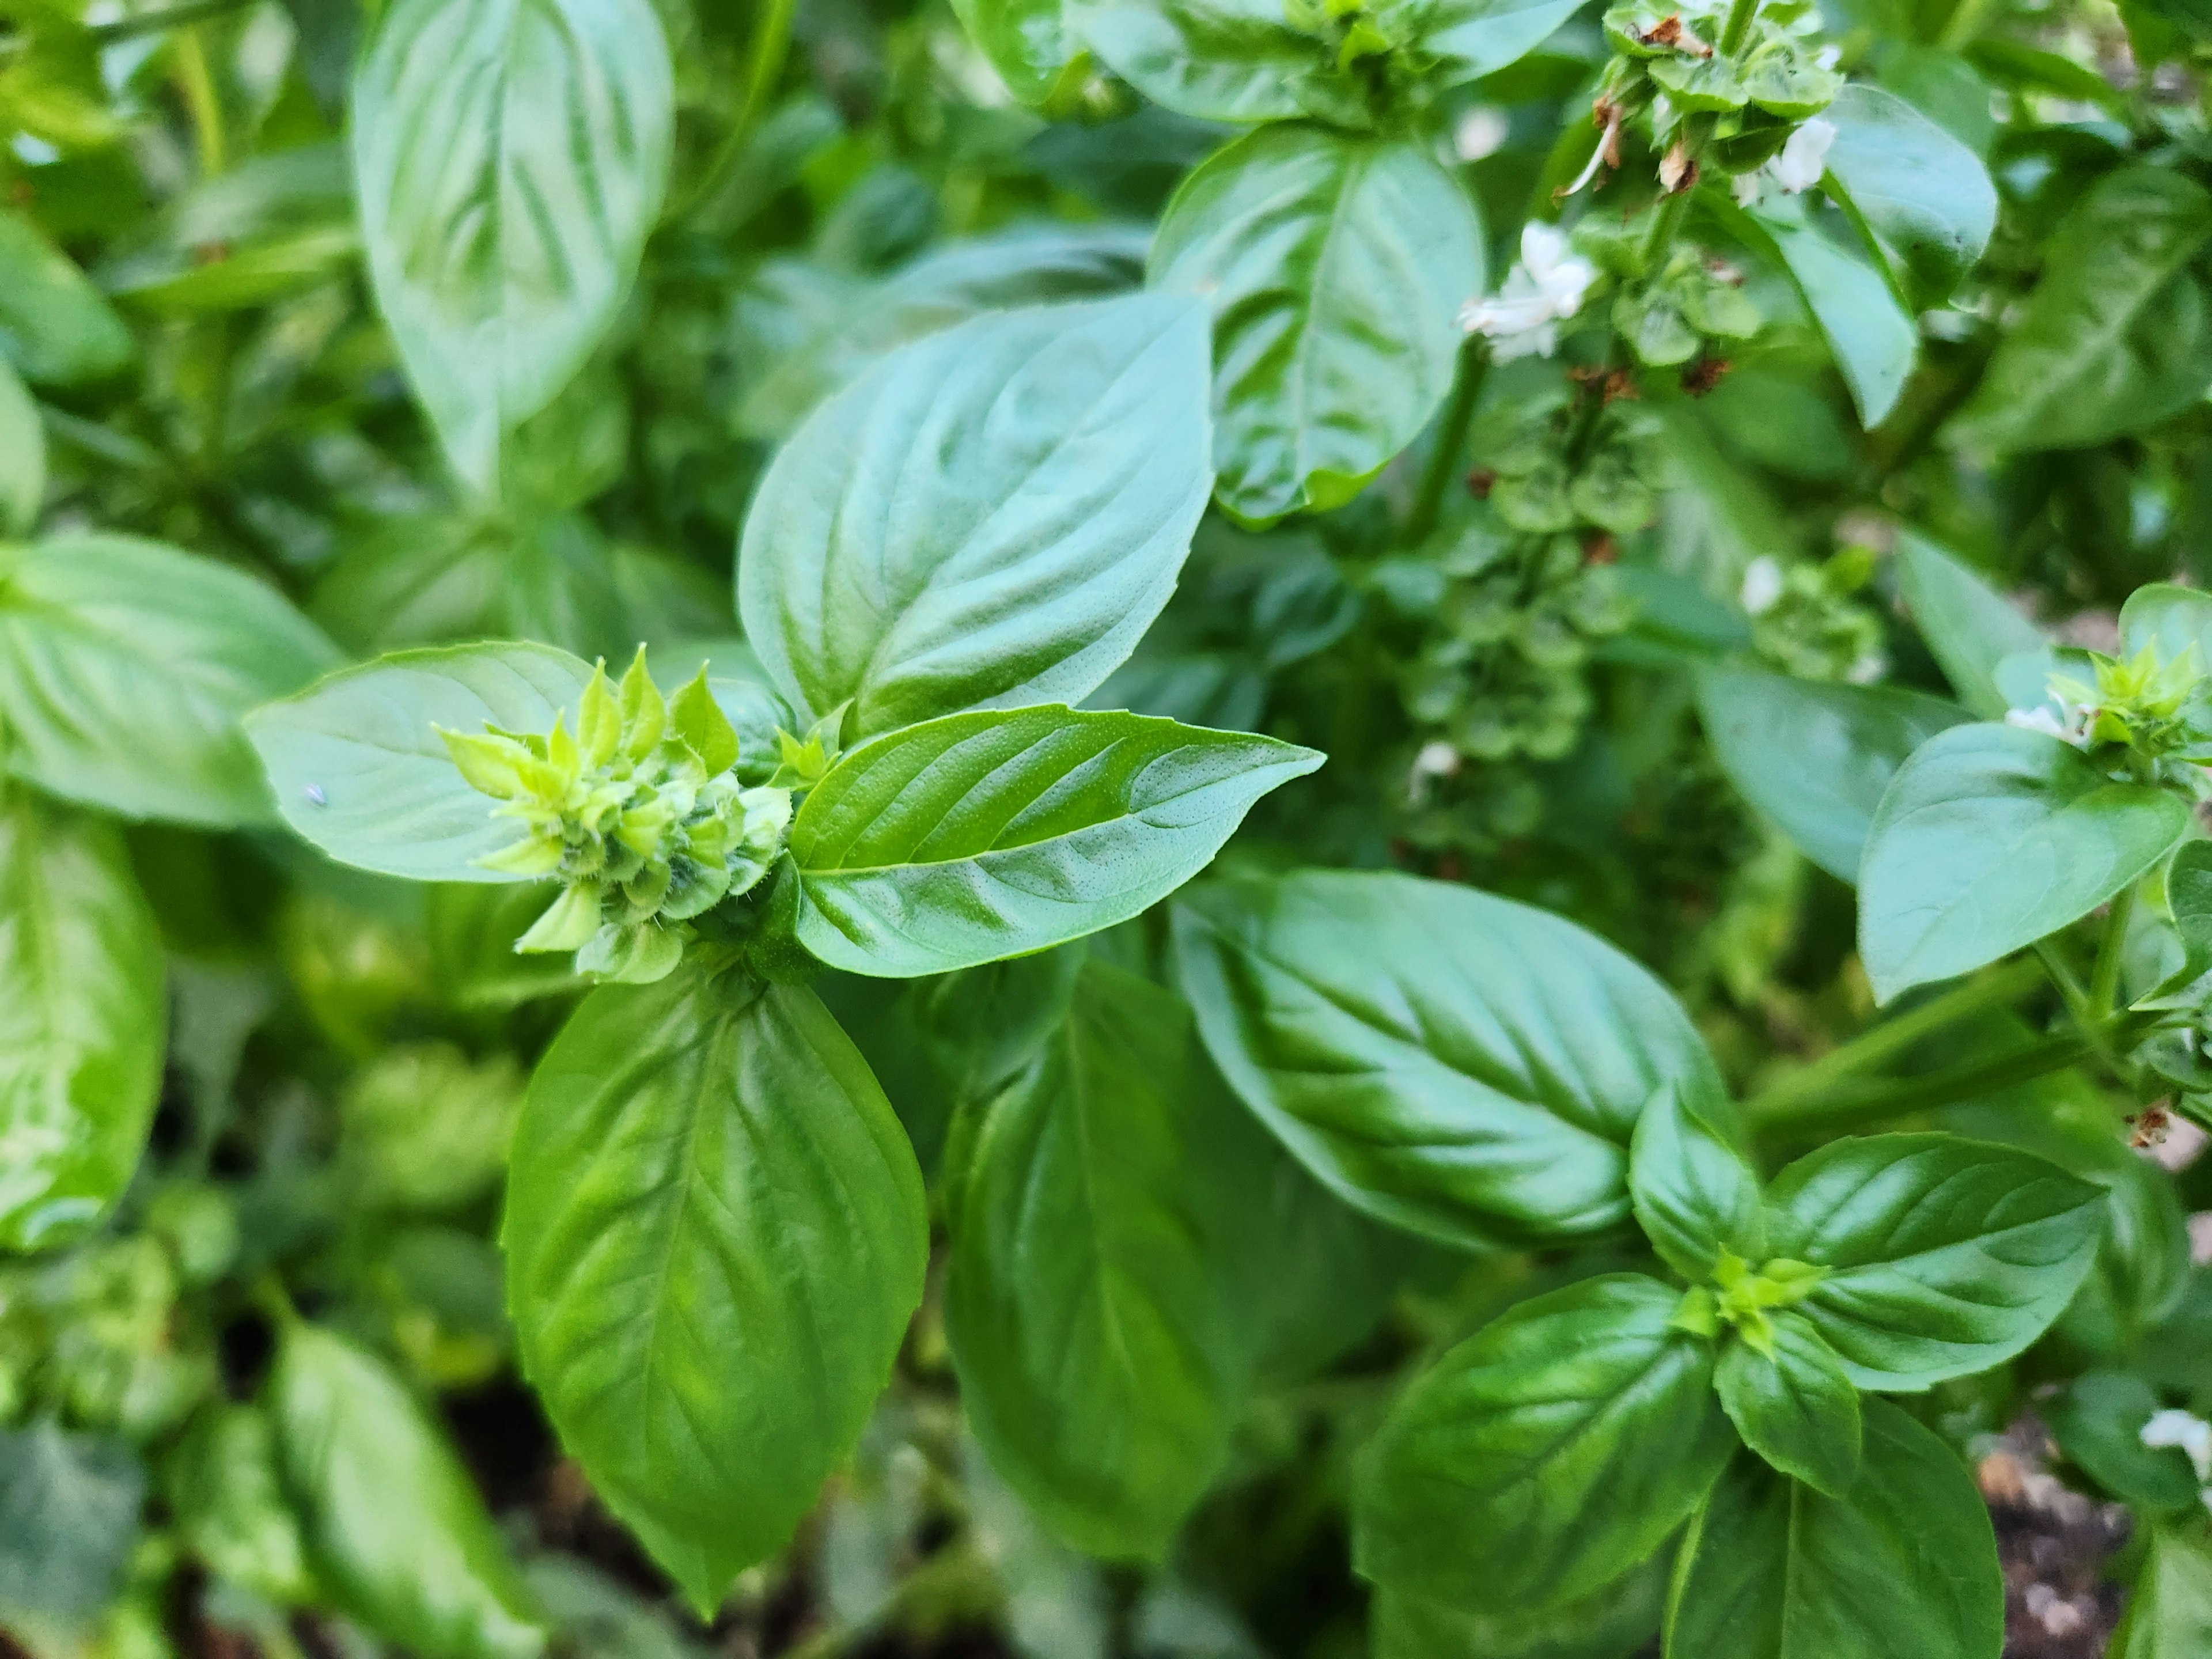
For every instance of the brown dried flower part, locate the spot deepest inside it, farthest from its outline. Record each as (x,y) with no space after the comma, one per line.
(1480,482)
(1617,384)
(1600,548)
(1669,31)
(1724,272)
(1607,115)
(1703,375)
(2148,1127)
(1677,170)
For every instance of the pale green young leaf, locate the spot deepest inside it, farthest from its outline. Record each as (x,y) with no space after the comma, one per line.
(1795,1407)
(1219,60)
(1694,1194)
(2169,619)
(55,326)
(1028,42)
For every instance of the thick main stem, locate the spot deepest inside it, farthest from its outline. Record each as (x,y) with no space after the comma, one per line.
(1738,26)
(2104,977)
(1944,1088)
(1445,458)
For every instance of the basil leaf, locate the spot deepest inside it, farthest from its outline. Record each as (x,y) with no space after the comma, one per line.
(1796,1407)
(509,158)
(226,1491)
(1922,198)
(1968,625)
(1544,1456)
(394,1522)
(1335,266)
(715,1234)
(1774,1569)
(125,666)
(83,1001)
(1027,42)
(2169,1613)
(1814,757)
(977,836)
(1991,838)
(1612,1623)
(2098,1420)
(1471,39)
(68,1514)
(2116,335)
(1943,1256)
(1693,1193)
(358,767)
(989,518)
(1219,60)
(2169,619)
(1107,1228)
(22,456)
(1424,1050)
(55,326)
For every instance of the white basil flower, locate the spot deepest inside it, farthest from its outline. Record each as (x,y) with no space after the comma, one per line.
(1543,289)
(1804,158)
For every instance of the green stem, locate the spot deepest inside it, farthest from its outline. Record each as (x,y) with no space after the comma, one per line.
(153,22)
(1739,25)
(1445,460)
(2104,977)
(195,81)
(1870,1048)
(1953,1084)
(770,44)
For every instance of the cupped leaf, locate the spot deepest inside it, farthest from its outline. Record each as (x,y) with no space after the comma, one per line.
(1940,1257)
(1427,1051)
(1968,625)
(82,1004)
(2169,1613)
(1219,60)
(1795,1407)
(125,666)
(715,1234)
(54,325)
(359,768)
(976,836)
(1905,1562)
(509,157)
(1923,198)
(1336,266)
(395,1525)
(990,517)
(1991,837)
(1693,1193)
(1815,756)
(1544,1456)
(2117,334)
(2167,618)
(1108,1223)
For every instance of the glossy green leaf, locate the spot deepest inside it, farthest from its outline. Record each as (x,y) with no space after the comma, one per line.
(2117,334)
(1108,1224)
(226,1491)
(68,1514)
(1989,838)
(1335,266)
(2098,1420)
(2169,1613)
(54,325)
(1693,1193)
(125,666)
(1796,1407)
(1424,1050)
(82,1005)
(987,519)
(976,836)
(509,158)
(358,767)
(1942,1256)
(1968,625)
(715,1234)
(1612,1623)
(1028,42)
(2168,618)
(1923,198)
(22,455)
(394,1524)
(1813,756)
(1474,38)
(1904,1565)
(1544,1456)
(1219,60)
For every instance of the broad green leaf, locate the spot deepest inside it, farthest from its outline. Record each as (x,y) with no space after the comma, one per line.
(1941,1256)
(1989,838)
(225,1493)
(1611,1622)
(68,1514)
(1425,1050)
(1336,1270)
(1872,336)
(976,836)
(2169,1612)
(1028,42)
(2098,1420)
(1544,1456)
(1923,198)
(1219,60)
(2168,618)
(1475,38)
(1108,1222)
(125,666)
(22,456)
(715,1234)
(1815,756)
(1796,1407)
(1903,1565)
(509,157)
(358,767)
(82,1004)
(2117,334)
(1336,266)
(1693,1193)
(54,325)
(989,518)
(1968,625)
(394,1524)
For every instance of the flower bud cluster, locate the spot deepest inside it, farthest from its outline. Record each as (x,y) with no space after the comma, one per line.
(1807,620)
(1744,1298)
(635,814)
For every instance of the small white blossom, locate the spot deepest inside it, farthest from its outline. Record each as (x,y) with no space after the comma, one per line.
(1868,669)
(2066,724)
(1436,760)
(1481,131)
(1762,584)
(1544,287)
(1828,56)
(2192,1434)
(1745,188)
(1804,158)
